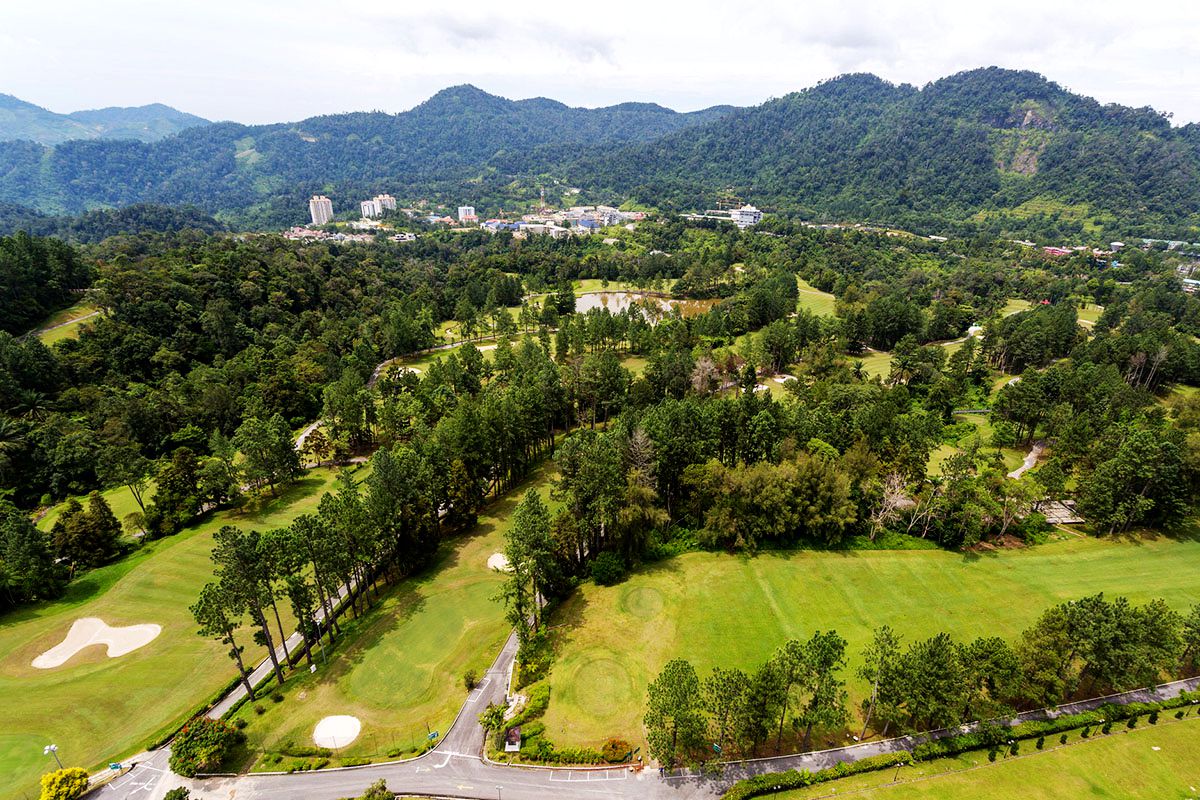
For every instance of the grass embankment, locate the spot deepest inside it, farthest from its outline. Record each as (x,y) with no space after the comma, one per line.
(99,709)
(400,667)
(1147,763)
(733,611)
(65,324)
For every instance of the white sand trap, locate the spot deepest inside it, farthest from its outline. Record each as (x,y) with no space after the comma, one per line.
(88,631)
(498,561)
(784,378)
(487,347)
(335,732)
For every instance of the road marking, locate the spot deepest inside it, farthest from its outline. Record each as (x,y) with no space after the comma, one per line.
(477,692)
(587,776)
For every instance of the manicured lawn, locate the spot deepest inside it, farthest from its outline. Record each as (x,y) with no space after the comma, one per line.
(813,299)
(875,363)
(718,609)
(71,319)
(1089,315)
(401,666)
(120,499)
(1013,306)
(99,709)
(1147,763)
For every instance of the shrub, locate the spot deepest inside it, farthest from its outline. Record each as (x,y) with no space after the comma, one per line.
(1132,723)
(1041,743)
(178,793)
(992,754)
(1086,733)
(259,710)
(470,679)
(1014,748)
(64,784)
(202,745)
(608,569)
(277,697)
(1107,728)
(1178,715)
(1153,718)
(615,750)
(1062,739)
(239,723)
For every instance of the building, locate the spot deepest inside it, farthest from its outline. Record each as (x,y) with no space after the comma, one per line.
(321,209)
(467,214)
(745,216)
(385,201)
(371,209)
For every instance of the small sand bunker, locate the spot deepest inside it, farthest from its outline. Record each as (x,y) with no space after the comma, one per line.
(335,732)
(498,561)
(88,631)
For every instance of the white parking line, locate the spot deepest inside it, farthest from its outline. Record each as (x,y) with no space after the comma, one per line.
(590,776)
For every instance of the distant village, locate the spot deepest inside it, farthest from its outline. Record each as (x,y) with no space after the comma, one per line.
(573,221)
(588,220)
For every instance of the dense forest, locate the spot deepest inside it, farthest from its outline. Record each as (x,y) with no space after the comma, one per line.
(1002,150)
(991,150)
(99,224)
(212,350)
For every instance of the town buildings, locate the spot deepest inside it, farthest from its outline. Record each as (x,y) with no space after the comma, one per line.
(467,214)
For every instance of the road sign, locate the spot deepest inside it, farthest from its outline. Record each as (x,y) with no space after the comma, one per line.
(432,735)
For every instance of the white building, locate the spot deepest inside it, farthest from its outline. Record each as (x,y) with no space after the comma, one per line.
(385,201)
(371,209)
(467,214)
(745,216)
(321,209)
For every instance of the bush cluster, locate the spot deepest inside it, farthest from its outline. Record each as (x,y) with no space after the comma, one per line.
(202,745)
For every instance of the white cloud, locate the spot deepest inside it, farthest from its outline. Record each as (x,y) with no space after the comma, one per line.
(260,61)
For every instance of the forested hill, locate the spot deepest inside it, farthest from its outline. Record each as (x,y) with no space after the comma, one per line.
(459,133)
(1003,149)
(22,120)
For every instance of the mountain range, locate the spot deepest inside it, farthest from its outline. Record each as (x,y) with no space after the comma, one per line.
(20,120)
(988,149)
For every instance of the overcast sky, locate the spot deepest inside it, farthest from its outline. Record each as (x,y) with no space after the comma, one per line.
(267,61)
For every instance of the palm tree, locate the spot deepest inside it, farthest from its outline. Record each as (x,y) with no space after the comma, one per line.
(32,405)
(12,441)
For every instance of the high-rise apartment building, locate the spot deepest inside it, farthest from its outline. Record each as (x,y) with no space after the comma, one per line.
(321,209)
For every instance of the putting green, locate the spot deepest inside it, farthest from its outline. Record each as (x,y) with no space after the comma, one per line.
(99,709)
(399,669)
(1147,763)
(733,611)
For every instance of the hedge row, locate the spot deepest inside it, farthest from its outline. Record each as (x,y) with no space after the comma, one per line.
(989,736)
(799,779)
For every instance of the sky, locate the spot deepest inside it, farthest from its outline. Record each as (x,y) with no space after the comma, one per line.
(258,61)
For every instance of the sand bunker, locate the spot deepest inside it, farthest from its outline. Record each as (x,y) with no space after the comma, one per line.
(88,631)
(335,732)
(498,561)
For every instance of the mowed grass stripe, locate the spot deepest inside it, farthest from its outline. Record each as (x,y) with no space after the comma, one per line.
(716,611)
